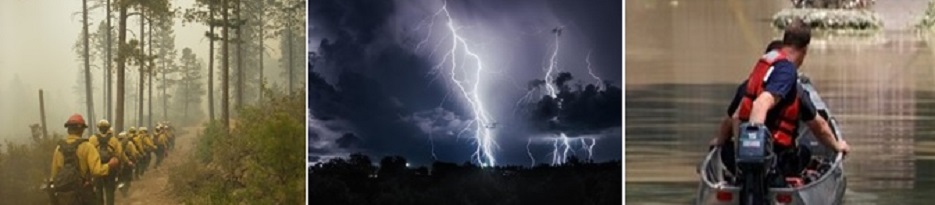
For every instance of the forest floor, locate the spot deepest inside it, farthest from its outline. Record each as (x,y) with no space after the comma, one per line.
(153,187)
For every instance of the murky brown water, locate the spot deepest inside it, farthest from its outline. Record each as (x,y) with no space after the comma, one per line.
(685,59)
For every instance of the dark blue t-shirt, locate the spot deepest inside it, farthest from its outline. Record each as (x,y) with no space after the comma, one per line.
(781,80)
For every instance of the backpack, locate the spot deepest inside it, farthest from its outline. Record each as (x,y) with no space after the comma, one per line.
(69,177)
(104,148)
(123,143)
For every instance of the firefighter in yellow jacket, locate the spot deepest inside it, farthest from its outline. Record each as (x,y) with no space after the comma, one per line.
(107,146)
(169,133)
(127,173)
(137,140)
(162,142)
(74,163)
(148,146)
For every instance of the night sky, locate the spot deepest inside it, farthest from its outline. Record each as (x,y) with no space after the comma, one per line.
(381,84)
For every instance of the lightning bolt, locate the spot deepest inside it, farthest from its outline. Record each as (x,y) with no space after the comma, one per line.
(591,148)
(555,155)
(591,71)
(585,146)
(533,159)
(565,140)
(564,143)
(548,74)
(432,142)
(561,157)
(431,24)
(431,132)
(466,72)
(524,99)
(483,136)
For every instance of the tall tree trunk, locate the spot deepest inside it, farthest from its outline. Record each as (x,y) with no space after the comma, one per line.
(185,113)
(211,66)
(149,95)
(261,22)
(131,116)
(186,102)
(108,106)
(121,70)
(240,70)
(142,81)
(87,66)
(149,98)
(291,70)
(103,97)
(225,65)
(165,102)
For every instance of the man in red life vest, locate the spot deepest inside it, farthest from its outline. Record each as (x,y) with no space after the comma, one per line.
(772,97)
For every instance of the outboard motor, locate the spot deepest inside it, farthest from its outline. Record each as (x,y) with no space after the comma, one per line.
(754,160)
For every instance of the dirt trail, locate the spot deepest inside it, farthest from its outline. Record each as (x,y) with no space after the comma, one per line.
(153,187)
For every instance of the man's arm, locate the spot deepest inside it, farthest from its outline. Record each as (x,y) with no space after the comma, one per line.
(728,124)
(93,160)
(761,106)
(57,161)
(817,124)
(822,131)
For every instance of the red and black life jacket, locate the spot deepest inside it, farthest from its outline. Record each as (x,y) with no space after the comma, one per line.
(783,129)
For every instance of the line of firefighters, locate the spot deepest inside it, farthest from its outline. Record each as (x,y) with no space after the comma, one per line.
(89,171)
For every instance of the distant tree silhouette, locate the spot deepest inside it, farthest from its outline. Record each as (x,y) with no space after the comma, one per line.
(392,166)
(356,181)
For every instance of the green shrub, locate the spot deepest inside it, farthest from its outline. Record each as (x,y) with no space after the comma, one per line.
(23,168)
(261,160)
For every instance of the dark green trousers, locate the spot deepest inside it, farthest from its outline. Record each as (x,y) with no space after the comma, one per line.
(104,189)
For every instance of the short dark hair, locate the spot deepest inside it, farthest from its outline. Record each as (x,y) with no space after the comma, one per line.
(75,130)
(773,45)
(797,34)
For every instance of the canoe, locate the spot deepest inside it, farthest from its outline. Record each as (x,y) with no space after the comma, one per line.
(827,188)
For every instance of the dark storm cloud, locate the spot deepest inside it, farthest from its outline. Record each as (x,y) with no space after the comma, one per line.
(324,133)
(368,105)
(533,84)
(348,140)
(313,136)
(562,79)
(369,80)
(380,84)
(585,109)
(353,20)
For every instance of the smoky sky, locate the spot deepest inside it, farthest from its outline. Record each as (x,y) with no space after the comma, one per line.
(374,86)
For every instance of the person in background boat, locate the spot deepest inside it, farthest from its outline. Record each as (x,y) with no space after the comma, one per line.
(777,101)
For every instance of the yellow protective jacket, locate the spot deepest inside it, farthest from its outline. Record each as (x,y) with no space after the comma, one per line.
(162,139)
(131,149)
(148,143)
(89,161)
(140,146)
(114,146)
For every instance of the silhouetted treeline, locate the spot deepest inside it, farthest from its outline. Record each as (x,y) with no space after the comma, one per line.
(356,180)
